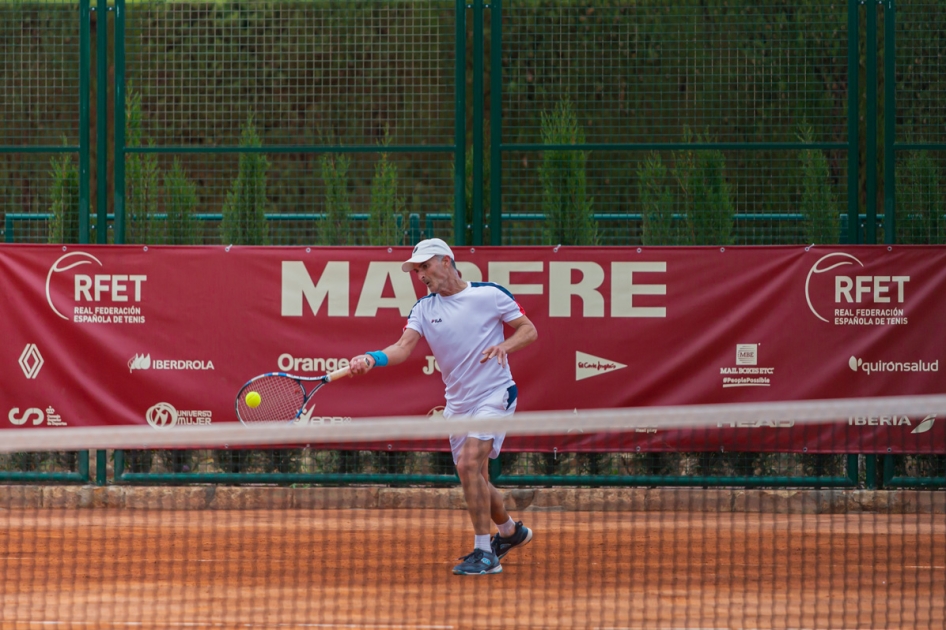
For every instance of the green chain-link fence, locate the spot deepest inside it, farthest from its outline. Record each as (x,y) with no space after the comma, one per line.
(696,122)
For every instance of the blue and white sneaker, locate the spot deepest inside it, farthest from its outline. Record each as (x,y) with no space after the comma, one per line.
(478,563)
(501,546)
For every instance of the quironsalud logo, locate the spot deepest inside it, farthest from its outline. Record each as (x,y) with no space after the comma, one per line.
(872,367)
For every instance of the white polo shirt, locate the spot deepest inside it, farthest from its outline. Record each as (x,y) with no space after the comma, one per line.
(458,329)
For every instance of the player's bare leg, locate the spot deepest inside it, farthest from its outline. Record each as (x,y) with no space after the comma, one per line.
(497,508)
(511,535)
(473,457)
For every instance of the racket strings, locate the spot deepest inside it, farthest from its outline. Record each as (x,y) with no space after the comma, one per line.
(280,400)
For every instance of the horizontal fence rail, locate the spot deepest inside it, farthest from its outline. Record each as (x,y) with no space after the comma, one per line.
(701,122)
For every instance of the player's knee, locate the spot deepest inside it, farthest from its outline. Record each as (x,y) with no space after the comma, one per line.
(467,466)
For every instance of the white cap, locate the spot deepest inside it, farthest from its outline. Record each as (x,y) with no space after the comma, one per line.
(425,250)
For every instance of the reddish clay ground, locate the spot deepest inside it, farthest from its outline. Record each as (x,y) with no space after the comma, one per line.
(97,568)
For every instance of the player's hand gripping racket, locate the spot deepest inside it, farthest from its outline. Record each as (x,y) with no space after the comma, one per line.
(280,397)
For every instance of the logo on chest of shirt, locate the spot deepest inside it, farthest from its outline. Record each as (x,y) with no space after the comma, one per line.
(439,320)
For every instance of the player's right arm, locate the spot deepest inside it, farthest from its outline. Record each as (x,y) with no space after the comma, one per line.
(398,352)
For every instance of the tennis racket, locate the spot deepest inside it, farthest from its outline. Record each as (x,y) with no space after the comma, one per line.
(282,397)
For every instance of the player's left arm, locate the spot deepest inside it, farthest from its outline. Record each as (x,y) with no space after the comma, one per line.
(524,334)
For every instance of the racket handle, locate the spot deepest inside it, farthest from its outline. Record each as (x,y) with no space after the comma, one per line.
(337,374)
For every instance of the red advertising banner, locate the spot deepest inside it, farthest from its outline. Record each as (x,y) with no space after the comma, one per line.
(117,335)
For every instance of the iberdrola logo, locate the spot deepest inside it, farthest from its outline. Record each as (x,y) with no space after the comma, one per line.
(139,362)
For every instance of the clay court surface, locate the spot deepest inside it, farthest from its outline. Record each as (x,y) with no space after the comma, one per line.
(116,568)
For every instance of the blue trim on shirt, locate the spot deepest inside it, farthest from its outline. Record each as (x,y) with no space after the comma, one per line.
(493,284)
(428,296)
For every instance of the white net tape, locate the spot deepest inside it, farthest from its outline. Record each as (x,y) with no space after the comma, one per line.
(414,427)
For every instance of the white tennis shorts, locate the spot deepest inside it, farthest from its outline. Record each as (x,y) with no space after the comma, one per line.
(500,404)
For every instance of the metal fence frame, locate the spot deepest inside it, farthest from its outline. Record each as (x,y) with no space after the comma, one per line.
(859,224)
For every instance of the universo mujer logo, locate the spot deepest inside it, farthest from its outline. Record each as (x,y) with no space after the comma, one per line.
(871,367)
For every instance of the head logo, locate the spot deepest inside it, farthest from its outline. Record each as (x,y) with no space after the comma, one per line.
(85,259)
(161,416)
(31,361)
(139,362)
(845,259)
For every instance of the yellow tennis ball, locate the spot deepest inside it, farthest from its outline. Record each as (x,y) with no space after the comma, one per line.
(253,399)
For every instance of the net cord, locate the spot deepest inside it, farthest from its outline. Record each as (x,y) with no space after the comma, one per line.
(420,427)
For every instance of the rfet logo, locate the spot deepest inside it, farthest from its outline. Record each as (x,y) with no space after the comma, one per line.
(93,298)
(857,298)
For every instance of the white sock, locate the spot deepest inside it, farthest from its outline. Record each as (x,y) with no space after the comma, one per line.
(482,542)
(508,528)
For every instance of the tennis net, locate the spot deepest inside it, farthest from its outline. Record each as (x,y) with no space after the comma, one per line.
(612,545)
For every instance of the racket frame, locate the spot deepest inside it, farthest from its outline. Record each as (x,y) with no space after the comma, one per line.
(321,381)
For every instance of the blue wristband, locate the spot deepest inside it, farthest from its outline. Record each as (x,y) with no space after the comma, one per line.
(380,359)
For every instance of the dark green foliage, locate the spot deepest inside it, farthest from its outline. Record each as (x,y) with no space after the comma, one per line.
(180,195)
(64,227)
(386,207)
(334,229)
(818,202)
(921,200)
(705,199)
(656,203)
(244,211)
(569,215)
(142,177)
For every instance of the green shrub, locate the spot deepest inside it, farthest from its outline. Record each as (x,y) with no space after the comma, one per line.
(142,176)
(180,195)
(64,227)
(920,201)
(244,211)
(569,214)
(385,206)
(706,200)
(819,204)
(656,203)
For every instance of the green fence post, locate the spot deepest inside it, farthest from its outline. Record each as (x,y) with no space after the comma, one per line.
(477,210)
(888,469)
(496,468)
(870,125)
(85,56)
(853,151)
(101,121)
(459,152)
(870,462)
(852,469)
(496,123)
(119,115)
(101,461)
(82,465)
(890,123)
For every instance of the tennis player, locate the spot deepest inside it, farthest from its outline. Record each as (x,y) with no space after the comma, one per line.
(463,324)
